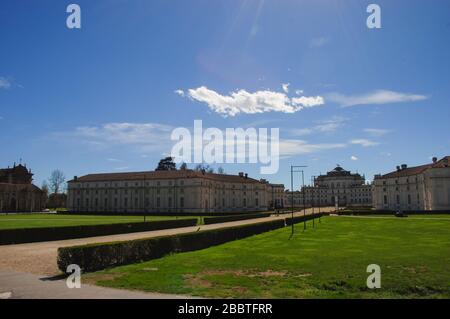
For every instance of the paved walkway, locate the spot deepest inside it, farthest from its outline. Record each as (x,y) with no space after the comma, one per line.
(16,285)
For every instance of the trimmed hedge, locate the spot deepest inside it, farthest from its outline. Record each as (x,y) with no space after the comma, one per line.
(224,219)
(160,213)
(100,256)
(28,235)
(391,212)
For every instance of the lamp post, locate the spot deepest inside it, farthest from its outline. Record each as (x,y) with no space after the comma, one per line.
(320,198)
(295,169)
(312,197)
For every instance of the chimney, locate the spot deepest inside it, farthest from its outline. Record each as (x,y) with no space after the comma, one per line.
(398,168)
(241,174)
(404,166)
(246,175)
(434,160)
(75,178)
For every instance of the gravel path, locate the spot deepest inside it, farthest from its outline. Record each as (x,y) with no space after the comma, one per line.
(40,258)
(16,285)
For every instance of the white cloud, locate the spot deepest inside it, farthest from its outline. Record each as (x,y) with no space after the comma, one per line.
(325,126)
(298,92)
(4,83)
(318,42)
(308,101)
(285,87)
(241,101)
(179,92)
(376,131)
(377,97)
(354,158)
(291,147)
(140,137)
(364,142)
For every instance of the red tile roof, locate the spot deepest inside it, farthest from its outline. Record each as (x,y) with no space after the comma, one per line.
(409,171)
(178,174)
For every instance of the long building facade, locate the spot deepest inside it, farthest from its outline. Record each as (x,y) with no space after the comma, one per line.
(337,187)
(168,191)
(17,192)
(425,187)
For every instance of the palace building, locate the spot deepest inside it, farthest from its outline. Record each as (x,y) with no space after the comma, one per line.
(17,192)
(425,187)
(338,186)
(168,191)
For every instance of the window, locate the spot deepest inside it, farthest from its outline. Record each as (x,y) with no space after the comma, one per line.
(170,202)
(125,201)
(256,202)
(244,202)
(409,199)
(158,202)
(182,202)
(106,202)
(385,200)
(115,202)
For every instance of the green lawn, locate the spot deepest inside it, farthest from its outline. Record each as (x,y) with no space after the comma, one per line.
(12,221)
(329,261)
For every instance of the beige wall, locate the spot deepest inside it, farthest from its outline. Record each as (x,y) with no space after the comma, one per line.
(167,195)
(429,190)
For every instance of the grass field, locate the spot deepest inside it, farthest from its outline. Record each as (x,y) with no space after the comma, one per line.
(12,221)
(329,261)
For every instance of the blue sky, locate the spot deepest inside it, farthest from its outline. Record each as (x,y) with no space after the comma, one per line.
(65,95)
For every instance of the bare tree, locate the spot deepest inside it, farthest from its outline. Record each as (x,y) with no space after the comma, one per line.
(56,181)
(44,188)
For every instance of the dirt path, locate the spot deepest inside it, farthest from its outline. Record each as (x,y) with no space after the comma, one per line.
(40,258)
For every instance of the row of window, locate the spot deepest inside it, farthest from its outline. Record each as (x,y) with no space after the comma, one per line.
(96,202)
(397,199)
